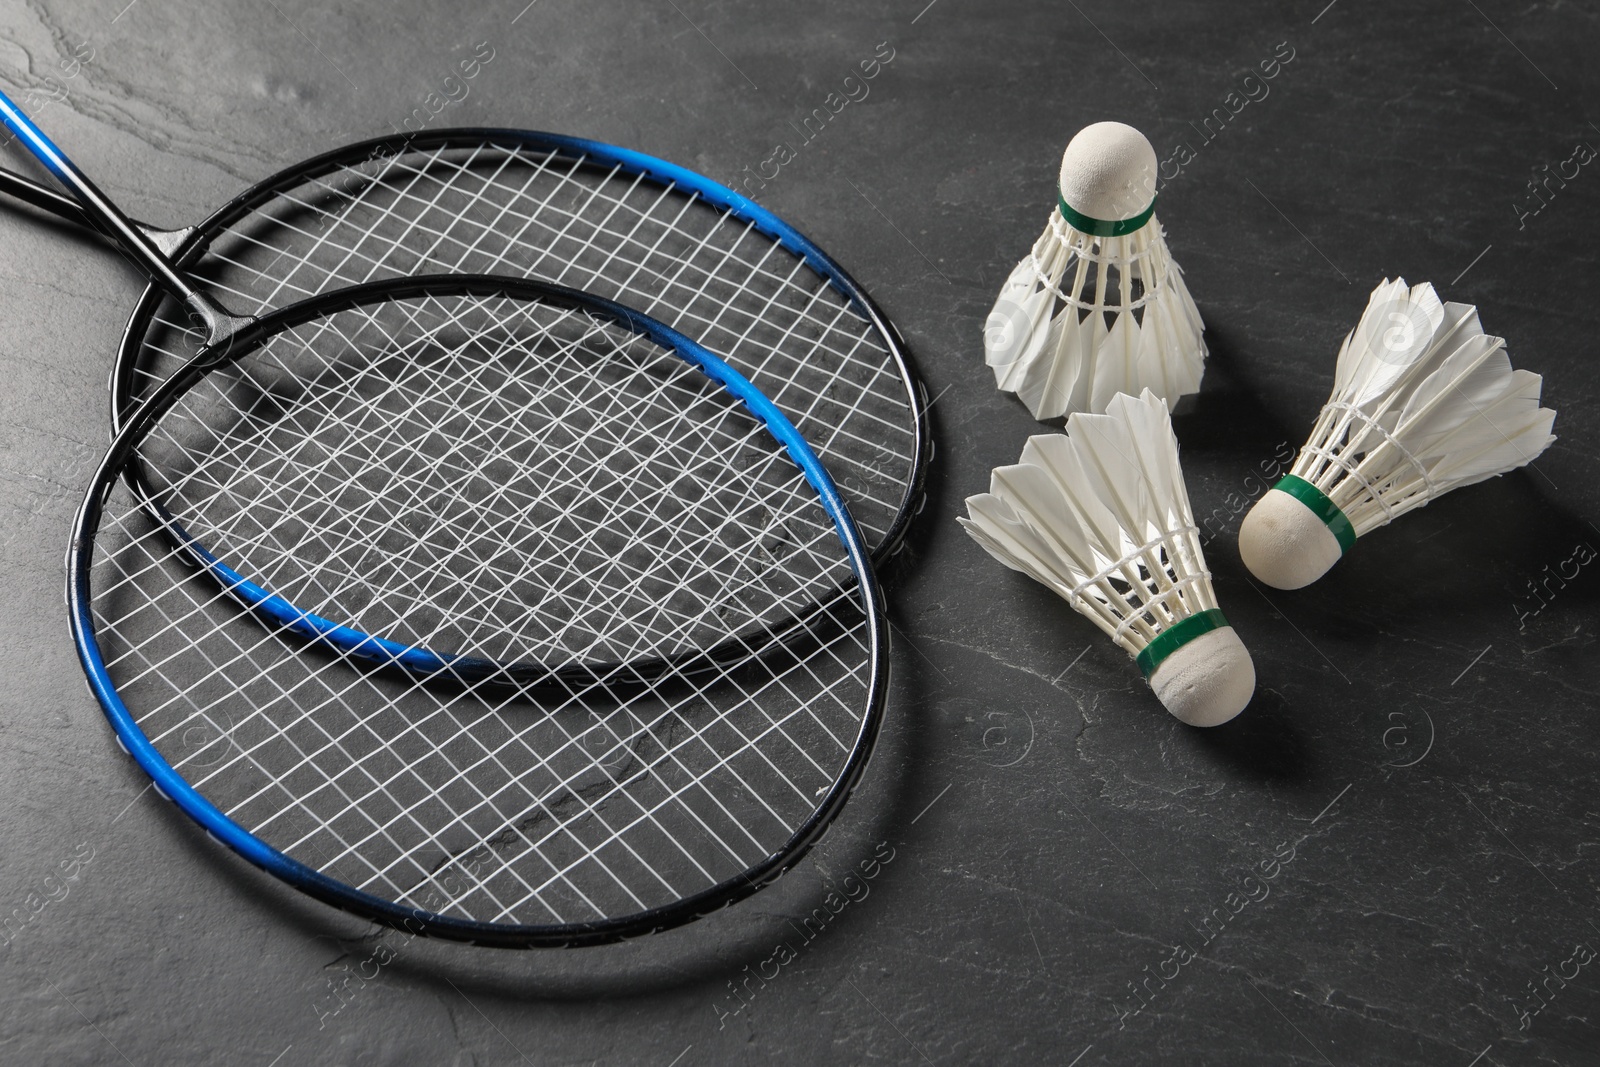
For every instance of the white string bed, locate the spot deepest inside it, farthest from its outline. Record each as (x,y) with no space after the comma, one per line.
(512,209)
(505,479)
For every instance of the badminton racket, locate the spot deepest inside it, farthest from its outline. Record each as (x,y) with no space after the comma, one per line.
(476,492)
(647,233)
(494,808)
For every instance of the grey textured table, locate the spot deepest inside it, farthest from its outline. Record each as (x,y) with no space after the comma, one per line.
(1391,858)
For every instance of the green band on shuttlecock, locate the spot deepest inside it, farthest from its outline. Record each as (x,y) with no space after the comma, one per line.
(1103,227)
(1321,507)
(1169,641)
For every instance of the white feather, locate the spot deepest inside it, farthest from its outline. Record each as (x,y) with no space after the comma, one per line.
(1048,339)
(1101,516)
(1423,401)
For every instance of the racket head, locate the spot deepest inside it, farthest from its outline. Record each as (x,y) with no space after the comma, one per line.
(481,809)
(686,250)
(497,480)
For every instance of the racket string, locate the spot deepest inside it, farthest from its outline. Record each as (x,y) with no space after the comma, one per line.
(474,794)
(834,669)
(252,524)
(866,426)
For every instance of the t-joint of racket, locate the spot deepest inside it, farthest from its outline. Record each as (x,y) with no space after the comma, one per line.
(220,326)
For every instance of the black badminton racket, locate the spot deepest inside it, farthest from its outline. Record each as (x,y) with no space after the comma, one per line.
(496,808)
(621,224)
(437,500)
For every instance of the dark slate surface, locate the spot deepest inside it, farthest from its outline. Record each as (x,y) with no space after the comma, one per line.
(1413,788)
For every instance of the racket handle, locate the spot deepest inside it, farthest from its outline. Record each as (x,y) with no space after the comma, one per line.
(31,192)
(65,207)
(105,216)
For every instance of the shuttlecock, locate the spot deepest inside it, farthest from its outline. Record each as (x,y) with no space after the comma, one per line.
(1423,401)
(1101,516)
(1098,307)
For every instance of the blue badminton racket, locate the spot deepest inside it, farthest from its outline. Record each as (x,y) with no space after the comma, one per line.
(494,807)
(425,509)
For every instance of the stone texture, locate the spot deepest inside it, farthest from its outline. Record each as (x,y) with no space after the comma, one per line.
(1369,866)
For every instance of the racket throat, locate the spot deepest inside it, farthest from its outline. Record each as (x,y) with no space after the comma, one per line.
(166,241)
(220,326)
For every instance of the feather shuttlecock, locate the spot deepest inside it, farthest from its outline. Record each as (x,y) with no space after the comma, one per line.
(1100,515)
(1098,307)
(1423,401)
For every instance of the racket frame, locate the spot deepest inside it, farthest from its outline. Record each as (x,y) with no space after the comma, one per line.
(217,825)
(165,260)
(197,240)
